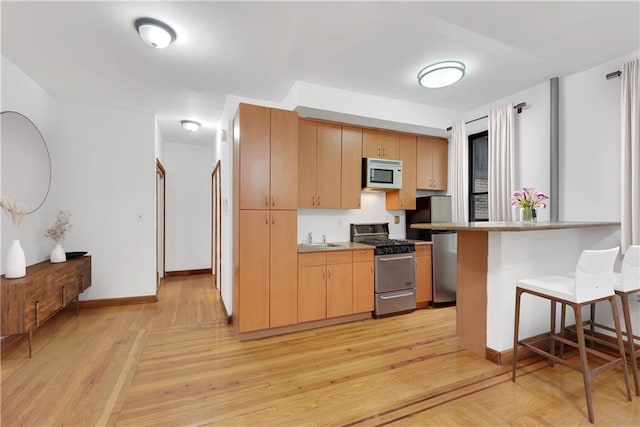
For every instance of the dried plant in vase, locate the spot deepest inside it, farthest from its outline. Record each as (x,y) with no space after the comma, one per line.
(15,266)
(57,233)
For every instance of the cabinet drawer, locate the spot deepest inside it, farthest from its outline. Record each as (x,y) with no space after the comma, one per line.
(313,258)
(363,255)
(339,257)
(42,299)
(423,250)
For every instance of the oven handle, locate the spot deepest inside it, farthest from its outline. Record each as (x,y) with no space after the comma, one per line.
(396,258)
(404,294)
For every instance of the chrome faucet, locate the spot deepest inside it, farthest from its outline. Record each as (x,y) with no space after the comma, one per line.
(309,238)
(324,239)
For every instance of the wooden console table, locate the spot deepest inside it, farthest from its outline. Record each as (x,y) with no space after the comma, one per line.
(29,301)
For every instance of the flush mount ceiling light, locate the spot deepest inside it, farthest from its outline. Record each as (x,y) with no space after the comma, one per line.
(155,33)
(441,74)
(190,125)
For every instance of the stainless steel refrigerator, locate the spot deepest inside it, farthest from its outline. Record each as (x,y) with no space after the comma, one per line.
(432,209)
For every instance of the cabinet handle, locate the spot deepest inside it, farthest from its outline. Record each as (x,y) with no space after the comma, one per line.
(37,310)
(266,219)
(329,273)
(266,201)
(313,201)
(273,202)
(273,219)
(371,268)
(318,204)
(323,273)
(384,150)
(379,153)
(400,202)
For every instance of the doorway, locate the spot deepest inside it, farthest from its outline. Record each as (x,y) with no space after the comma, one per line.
(215,224)
(160,222)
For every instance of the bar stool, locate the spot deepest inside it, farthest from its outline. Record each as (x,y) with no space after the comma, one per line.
(593,282)
(626,283)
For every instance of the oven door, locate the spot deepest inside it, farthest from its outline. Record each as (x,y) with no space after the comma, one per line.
(395,272)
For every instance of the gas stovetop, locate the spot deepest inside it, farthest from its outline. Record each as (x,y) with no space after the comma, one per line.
(378,235)
(389,246)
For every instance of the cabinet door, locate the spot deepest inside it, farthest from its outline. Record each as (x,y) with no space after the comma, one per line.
(307,139)
(254,154)
(371,144)
(440,163)
(362,287)
(328,161)
(312,293)
(253,286)
(405,198)
(284,159)
(339,290)
(351,167)
(424,163)
(389,145)
(424,291)
(283,284)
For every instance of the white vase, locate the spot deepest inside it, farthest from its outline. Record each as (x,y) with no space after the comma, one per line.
(58,254)
(16,263)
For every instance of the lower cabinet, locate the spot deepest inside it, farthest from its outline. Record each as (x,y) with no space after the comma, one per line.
(334,284)
(363,281)
(424,290)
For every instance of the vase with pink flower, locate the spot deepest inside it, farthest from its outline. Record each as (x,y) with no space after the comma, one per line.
(528,199)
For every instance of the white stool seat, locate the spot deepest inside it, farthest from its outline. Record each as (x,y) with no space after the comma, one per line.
(560,287)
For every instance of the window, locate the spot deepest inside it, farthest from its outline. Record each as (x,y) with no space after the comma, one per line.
(479,176)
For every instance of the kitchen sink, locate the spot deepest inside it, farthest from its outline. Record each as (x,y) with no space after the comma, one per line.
(322,245)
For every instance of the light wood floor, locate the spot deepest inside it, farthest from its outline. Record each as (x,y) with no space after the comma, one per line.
(177,363)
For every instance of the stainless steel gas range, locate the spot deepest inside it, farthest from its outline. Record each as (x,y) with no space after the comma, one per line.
(395,268)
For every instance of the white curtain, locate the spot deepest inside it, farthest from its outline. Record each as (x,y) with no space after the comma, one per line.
(501,173)
(630,155)
(459,173)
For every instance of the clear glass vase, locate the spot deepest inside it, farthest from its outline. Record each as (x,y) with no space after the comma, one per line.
(527,214)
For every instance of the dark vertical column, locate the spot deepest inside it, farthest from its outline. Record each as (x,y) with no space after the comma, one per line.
(554,195)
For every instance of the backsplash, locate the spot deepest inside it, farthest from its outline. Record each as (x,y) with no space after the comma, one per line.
(334,223)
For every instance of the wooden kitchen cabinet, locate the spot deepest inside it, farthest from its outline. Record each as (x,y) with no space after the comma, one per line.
(405,198)
(432,163)
(47,288)
(265,155)
(351,167)
(268,276)
(380,144)
(339,283)
(424,290)
(319,155)
(363,299)
(268,156)
(312,287)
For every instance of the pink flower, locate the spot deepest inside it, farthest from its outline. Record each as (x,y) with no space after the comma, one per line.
(528,198)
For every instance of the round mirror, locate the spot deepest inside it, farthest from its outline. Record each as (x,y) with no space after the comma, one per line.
(26,165)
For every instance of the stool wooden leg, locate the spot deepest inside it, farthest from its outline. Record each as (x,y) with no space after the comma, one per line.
(592,323)
(629,332)
(586,374)
(616,322)
(552,331)
(516,326)
(562,328)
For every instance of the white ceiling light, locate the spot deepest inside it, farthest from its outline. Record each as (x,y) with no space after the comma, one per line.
(441,74)
(190,125)
(155,33)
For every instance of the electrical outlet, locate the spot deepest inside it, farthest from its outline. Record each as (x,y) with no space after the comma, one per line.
(396,219)
(139,217)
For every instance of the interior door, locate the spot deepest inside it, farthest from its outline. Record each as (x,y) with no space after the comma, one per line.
(160,222)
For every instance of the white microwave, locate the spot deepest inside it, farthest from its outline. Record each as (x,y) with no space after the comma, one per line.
(381,174)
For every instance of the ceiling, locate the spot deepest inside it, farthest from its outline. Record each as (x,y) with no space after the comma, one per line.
(89,53)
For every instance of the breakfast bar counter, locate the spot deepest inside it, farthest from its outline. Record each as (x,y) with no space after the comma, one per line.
(492,256)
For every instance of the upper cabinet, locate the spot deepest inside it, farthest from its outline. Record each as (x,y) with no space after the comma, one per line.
(432,163)
(320,148)
(268,157)
(405,198)
(351,167)
(380,144)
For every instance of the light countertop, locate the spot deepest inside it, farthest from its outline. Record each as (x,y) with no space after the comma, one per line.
(510,226)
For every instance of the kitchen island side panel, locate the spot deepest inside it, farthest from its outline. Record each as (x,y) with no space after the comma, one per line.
(471,294)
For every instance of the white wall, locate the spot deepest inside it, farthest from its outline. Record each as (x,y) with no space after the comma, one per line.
(188,206)
(107,182)
(590,143)
(21,94)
